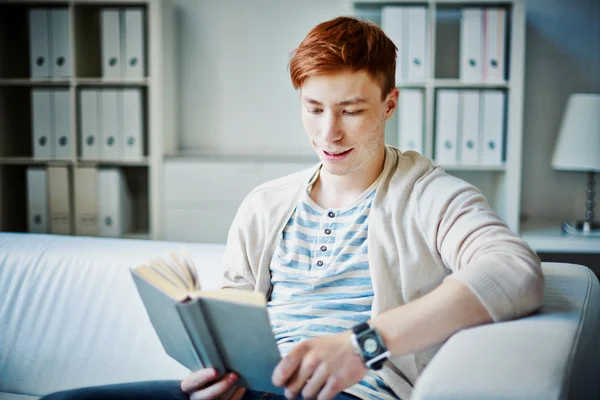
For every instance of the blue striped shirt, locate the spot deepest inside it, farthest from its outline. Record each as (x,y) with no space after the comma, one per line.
(321,279)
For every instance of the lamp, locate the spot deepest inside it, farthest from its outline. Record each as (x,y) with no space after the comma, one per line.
(578,149)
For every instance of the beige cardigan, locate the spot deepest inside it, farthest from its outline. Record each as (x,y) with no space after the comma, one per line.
(424,226)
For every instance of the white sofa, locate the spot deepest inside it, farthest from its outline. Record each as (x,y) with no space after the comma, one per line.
(70,316)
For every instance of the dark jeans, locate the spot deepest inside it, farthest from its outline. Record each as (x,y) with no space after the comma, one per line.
(151,390)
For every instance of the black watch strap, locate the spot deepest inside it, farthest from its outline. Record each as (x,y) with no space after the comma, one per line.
(356,329)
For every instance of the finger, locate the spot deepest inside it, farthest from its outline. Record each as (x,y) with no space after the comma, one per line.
(215,390)
(198,379)
(296,382)
(316,382)
(330,390)
(288,366)
(229,393)
(238,393)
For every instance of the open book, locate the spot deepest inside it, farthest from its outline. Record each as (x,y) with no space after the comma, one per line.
(226,329)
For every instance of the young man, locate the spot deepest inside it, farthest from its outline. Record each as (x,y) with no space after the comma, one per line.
(373,258)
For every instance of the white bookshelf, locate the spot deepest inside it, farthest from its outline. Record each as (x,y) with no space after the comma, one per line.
(501,184)
(144,174)
(546,236)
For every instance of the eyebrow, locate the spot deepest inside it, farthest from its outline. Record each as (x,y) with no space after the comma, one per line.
(355,100)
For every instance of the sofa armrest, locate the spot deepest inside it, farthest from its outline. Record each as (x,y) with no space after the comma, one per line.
(549,355)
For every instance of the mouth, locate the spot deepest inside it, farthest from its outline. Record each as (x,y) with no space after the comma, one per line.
(336,155)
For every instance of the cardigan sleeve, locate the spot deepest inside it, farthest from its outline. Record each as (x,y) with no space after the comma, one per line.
(478,247)
(236,261)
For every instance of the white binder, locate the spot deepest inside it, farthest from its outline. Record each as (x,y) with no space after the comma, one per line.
(59,200)
(114,203)
(392,23)
(59,34)
(493,67)
(61,116)
(132,141)
(37,200)
(111,43)
(86,201)
(111,124)
(134,58)
(41,124)
(446,127)
(417,22)
(39,50)
(471,45)
(493,127)
(469,149)
(410,120)
(90,123)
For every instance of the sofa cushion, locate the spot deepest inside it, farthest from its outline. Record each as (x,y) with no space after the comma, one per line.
(70,315)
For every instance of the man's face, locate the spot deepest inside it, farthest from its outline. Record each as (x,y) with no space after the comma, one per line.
(344,117)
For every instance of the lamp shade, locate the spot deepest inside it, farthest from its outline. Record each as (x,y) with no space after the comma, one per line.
(578,144)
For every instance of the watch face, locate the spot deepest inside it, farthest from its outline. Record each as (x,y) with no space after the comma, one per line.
(370,345)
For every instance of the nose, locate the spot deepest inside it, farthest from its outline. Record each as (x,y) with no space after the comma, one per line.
(331,130)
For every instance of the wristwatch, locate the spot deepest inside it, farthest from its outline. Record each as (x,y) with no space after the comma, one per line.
(369,346)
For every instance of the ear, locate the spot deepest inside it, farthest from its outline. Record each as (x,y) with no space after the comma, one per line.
(391,102)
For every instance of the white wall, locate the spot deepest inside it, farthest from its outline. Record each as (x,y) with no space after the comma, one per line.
(236,94)
(563,57)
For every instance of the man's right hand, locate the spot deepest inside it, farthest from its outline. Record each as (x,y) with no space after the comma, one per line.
(203,385)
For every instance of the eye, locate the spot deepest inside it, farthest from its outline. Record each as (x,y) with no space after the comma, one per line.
(353,112)
(314,110)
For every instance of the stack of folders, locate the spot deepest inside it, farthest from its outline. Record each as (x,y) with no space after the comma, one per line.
(410,120)
(111,124)
(470,127)
(51,123)
(103,205)
(49,43)
(482,44)
(407,28)
(122,39)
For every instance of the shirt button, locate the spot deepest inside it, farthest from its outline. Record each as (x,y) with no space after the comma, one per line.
(320,263)
(323,248)
(331,214)
(328,231)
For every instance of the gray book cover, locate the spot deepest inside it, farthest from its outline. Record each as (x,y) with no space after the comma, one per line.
(215,332)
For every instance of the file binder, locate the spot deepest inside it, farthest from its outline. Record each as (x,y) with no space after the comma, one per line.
(90,113)
(41,124)
(493,127)
(446,127)
(60,200)
(86,201)
(114,203)
(133,39)
(111,43)
(417,22)
(59,37)
(111,124)
(132,141)
(469,149)
(410,120)
(393,25)
(494,49)
(61,117)
(37,200)
(471,38)
(39,51)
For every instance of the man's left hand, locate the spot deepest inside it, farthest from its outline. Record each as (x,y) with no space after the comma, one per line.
(320,368)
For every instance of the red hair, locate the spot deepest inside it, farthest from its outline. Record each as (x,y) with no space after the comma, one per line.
(345,43)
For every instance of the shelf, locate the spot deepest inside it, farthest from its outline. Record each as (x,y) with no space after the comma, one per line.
(34,82)
(143,162)
(34,161)
(137,235)
(110,82)
(547,236)
(457,83)
(475,168)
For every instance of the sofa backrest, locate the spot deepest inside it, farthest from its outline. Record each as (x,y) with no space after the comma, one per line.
(70,315)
